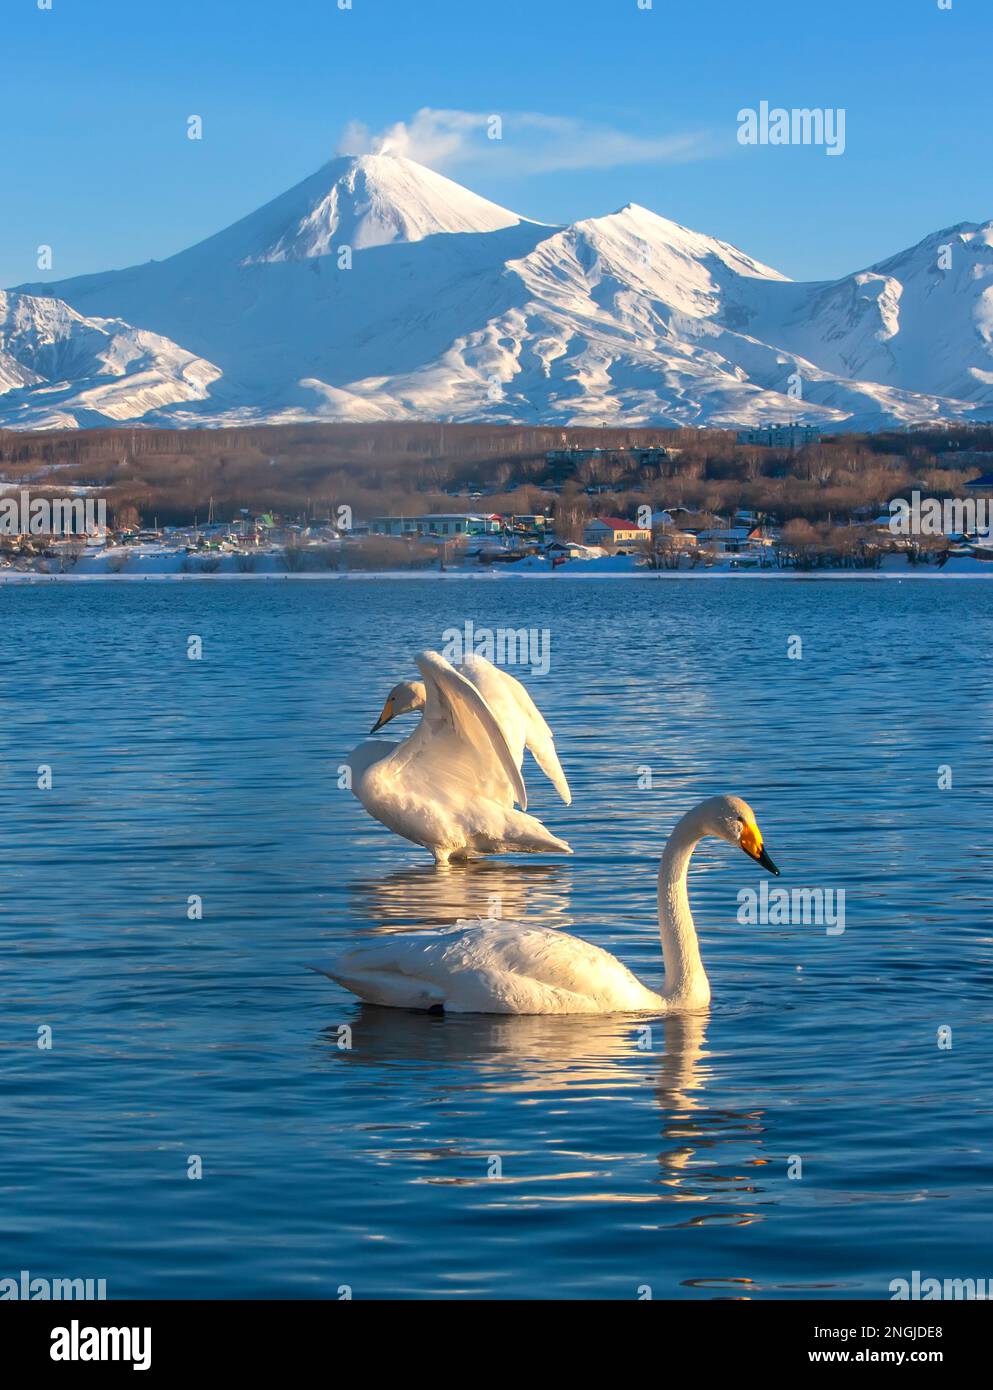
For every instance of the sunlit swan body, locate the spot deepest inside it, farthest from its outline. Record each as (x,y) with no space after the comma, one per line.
(451,786)
(510,968)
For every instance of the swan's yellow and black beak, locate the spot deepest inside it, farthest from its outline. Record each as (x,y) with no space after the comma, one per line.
(751,843)
(387,714)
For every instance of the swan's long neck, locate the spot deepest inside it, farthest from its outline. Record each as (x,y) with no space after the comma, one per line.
(685,978)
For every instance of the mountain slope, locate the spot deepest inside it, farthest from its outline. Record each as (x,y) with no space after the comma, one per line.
(921,320)
(455,308)
(60,370)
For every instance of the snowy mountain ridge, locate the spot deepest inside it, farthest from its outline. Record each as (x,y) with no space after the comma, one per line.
(447,306)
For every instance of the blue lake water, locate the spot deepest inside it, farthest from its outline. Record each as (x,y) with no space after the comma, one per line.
(370,1167)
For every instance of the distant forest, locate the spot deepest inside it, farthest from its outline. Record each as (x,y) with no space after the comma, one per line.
(172,476)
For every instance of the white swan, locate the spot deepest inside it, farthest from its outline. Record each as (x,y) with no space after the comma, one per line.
(451,786)
(510,968)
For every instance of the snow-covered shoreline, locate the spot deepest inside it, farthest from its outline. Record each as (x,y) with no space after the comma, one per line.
(139,563)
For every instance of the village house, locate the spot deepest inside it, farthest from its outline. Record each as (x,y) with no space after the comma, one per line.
(613,530)
(572,550)
(437,525)
(791,436)
(628,458)
(393,526)
(528,524)
(736,540)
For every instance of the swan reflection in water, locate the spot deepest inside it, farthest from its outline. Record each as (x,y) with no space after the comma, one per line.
(420,897)
(552,1062)
(534,1069)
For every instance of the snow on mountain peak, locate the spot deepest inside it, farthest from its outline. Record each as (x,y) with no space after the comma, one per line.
(679,270)
(369,200)
(666,253)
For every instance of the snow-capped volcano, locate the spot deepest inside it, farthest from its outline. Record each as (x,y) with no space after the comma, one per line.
(371,200)
(451,307)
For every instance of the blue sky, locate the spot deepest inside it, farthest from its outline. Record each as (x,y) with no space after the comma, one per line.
(603,103)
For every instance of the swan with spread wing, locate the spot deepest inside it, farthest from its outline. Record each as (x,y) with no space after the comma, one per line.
(453,783)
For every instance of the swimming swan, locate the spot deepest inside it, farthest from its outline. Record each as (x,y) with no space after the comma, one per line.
(451,786)
(510,968)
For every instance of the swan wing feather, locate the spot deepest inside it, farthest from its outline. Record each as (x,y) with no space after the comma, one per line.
(472,720)
(520,718)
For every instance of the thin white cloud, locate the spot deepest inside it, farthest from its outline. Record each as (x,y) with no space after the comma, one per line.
(519,142)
